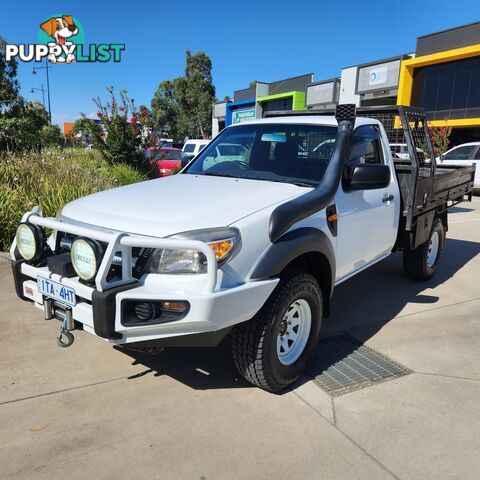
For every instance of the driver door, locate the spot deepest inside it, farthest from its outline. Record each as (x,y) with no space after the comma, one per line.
(367,219)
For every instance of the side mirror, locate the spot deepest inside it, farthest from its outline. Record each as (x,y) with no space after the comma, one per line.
(369,176)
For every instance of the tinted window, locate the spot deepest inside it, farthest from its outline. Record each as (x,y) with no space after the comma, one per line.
(275,105)
(477,155)
(460,153)
(269,152)
(452,89)
(165,155)
(365,146)
(189,148)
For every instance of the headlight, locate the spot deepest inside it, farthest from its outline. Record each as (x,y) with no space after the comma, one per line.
(29,241)
(223,242)
(86,255)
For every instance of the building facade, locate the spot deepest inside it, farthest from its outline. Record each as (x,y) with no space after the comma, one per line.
(442,76)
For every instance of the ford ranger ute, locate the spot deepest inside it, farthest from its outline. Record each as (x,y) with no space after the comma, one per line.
(250,240)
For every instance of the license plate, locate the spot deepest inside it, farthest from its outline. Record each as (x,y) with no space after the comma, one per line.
(57,291)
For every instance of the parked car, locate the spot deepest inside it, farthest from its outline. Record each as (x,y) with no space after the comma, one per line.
(465,154)
(193,147)
(400,151)
(166,161)
(252,245)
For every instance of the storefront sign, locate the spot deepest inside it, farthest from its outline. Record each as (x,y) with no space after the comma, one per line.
(244,115)
(378,76)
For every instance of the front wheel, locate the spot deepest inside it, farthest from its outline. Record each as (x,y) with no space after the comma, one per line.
(422,262)
(272,349)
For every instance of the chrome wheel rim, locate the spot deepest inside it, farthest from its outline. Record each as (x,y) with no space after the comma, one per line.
(294,332)
(433,249)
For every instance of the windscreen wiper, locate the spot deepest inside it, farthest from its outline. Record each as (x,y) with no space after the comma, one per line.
(284,180)
(219,174)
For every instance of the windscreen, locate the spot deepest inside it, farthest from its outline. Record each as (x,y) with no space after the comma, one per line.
(274,152)
(166,155)
(189,148)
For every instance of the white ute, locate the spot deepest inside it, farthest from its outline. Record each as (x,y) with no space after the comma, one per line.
(250,244)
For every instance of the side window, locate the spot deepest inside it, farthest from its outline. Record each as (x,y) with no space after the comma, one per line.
(477,155)
(460,153)
(366,146)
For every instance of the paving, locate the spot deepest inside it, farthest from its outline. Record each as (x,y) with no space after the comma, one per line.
(91,411)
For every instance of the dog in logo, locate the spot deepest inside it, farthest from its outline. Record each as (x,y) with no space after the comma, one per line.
(60,29)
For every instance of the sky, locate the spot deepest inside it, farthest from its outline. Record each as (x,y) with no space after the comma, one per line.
(246,40)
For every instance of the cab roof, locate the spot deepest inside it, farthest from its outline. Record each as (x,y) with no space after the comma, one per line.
(307,120)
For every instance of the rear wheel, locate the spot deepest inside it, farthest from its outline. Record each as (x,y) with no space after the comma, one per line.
(422,262)
(273,349)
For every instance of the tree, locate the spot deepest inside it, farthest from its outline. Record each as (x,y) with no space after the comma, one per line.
(36,113)
(18,134)
(182,107)
(165,110)
(440,137)
(51,136)
(117,137)
(253,83)
(8,80)
(195,95)
(84,131)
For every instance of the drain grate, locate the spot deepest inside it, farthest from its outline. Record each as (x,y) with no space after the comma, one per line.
(342,364)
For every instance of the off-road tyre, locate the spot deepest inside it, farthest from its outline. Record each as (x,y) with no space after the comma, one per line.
(415,262)
(254,343)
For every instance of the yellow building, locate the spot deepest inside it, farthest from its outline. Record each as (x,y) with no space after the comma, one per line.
(444,79)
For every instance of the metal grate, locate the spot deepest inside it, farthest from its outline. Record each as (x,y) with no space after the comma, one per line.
(407,126)
(341,365)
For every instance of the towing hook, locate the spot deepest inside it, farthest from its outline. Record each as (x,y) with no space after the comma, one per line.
(65,339)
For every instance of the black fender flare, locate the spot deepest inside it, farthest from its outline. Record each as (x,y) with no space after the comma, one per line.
(291,246)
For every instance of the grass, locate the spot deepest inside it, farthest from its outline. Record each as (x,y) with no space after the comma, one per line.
(51,179)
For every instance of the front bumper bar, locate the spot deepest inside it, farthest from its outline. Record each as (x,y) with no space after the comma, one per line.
(123,242)
(99,308)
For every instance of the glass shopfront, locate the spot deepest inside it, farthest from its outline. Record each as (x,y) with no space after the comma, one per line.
(448,90)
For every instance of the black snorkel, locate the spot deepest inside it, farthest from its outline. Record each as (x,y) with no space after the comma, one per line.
(285,215)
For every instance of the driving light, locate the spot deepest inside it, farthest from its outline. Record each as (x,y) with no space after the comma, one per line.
(85,255)
(28,241)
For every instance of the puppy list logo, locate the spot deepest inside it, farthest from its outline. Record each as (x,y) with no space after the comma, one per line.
(61,40)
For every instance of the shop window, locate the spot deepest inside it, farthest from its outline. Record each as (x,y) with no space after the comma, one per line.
(275,105)
(452,89)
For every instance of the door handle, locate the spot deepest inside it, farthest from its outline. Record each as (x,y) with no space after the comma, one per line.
(388,198)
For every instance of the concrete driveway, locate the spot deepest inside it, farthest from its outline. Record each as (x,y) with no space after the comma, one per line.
(91,411)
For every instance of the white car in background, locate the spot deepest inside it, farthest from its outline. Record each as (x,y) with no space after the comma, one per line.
(194,146)
(400,151)
(465,154)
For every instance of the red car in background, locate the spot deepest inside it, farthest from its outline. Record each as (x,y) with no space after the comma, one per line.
(165,161)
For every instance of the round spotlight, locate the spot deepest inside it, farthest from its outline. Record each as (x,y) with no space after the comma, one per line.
(85,255)
(28,241)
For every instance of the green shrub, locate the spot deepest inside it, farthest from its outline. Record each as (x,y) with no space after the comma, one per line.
(51,179)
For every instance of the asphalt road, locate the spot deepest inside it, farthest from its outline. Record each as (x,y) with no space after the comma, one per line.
(91,411)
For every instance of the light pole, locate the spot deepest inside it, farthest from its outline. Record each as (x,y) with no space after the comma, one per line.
(47,68)
(33,89)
